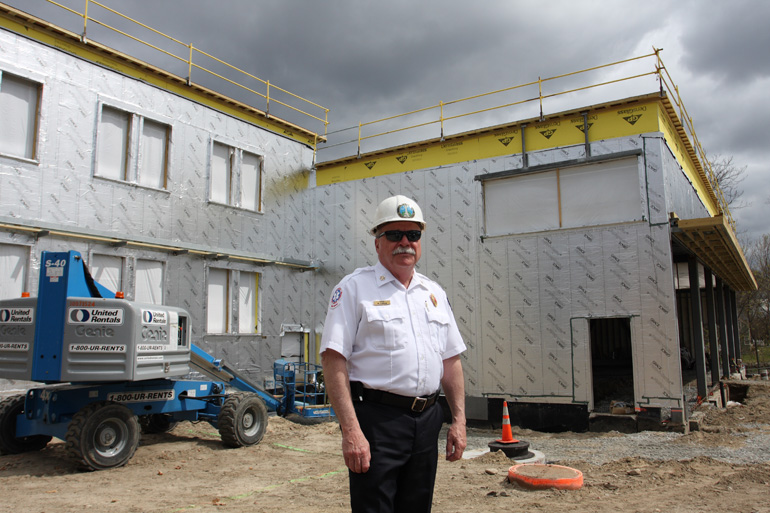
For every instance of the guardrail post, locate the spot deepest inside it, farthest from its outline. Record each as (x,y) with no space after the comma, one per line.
(358,153)
(85,22)
(189,66)
(540,95)
(441,118)
(267,100)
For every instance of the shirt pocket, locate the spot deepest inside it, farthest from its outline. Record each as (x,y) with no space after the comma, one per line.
(438,323)
(386,327)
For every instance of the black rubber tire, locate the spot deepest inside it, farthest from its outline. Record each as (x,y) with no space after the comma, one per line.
(242,420)
(103,435)
(157,423)
(10,408)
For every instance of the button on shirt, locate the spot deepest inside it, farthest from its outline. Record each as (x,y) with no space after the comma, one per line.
(394,339)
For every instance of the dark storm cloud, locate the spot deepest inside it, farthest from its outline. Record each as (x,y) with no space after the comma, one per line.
(729,40)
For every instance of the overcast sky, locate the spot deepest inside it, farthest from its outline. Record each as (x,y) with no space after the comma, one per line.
(365,60)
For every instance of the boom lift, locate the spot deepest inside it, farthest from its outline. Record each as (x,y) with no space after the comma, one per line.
(112,368)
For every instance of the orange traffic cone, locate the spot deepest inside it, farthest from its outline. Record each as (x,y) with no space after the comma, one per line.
(507,434)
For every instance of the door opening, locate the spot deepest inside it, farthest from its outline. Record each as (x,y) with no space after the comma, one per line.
(611,362)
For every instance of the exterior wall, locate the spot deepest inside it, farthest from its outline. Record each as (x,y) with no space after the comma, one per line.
(523,302)
(59,192)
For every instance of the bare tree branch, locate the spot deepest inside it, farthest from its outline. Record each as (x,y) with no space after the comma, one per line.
(729,177)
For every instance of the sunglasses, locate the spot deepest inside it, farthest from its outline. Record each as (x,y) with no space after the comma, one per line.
(397,235)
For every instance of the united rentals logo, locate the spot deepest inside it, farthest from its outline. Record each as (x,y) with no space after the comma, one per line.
(371,164)
(95,316)
(505,140)
(154,317)
(17,315)
(402,158)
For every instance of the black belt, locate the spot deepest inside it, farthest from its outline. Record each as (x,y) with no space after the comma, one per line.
(415,404)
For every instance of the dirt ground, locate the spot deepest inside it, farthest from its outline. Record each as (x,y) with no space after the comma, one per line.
(299,468)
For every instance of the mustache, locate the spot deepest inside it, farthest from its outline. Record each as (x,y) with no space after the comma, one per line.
(404,249)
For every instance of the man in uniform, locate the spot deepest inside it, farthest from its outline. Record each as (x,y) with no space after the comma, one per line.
(389,343)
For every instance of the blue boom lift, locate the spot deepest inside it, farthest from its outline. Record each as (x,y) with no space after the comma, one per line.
(113,368)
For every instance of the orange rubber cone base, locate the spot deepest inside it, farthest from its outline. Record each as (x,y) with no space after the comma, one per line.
(538,476)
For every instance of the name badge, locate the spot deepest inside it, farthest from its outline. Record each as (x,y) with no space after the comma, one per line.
(385,302)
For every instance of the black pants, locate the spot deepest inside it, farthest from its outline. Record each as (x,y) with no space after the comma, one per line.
(404,449)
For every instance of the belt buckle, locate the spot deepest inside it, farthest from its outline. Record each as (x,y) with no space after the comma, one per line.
(419,404)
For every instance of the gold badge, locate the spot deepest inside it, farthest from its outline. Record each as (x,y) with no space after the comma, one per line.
(384,302)
(433,300)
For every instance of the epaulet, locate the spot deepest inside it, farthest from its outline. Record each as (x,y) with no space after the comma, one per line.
(355,273)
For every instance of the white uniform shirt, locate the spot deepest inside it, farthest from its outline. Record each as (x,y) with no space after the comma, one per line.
(394,339)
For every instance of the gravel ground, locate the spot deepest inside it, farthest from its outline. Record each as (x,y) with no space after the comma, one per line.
(602,448)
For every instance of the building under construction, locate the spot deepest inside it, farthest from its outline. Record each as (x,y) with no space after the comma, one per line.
(583,250)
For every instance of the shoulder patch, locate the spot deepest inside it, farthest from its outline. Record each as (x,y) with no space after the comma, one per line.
(336,297)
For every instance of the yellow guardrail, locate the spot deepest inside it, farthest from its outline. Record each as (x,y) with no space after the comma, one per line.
(672,90)
(436,116)
(307,111)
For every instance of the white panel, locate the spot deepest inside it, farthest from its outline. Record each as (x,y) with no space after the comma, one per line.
(107,270)
(220,174)
(581,364)
(149,282)
(216,317)
(13,270)
(247,303)
(18,108)
(152,162)
(600,194)
(113,144)
(250,171)
(521,204)
(496,355)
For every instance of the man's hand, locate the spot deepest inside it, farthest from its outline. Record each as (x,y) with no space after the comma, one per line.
(355,446)
(355,449)
(454,390)
(456,441)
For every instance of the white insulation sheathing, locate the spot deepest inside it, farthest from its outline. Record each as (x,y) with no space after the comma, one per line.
(58,190)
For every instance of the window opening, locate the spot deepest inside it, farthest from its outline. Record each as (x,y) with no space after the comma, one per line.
(13,270)
(107,270)
(232,302)
(19,107)
(221,173)
(114,133)
(153,151)
(136,156)
(568,197)
(236,177)
(248,286)
(149,282)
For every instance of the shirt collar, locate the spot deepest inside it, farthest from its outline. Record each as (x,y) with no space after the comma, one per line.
(384,276)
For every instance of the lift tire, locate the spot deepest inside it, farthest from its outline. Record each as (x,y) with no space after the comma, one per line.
(10,408)
(103,435)
(157,423)
(242,420)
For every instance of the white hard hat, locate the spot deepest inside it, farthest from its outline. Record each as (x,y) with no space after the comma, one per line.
(397,208)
